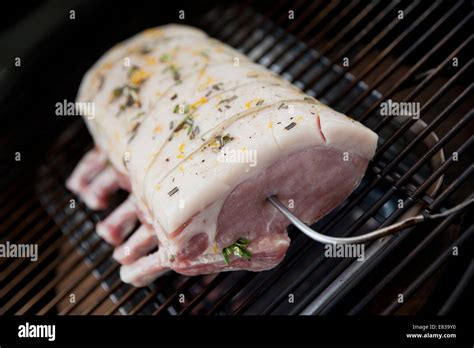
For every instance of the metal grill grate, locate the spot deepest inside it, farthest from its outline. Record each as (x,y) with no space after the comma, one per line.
(409,59)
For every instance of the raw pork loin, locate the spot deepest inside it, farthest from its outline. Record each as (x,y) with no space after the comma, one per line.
(200,136)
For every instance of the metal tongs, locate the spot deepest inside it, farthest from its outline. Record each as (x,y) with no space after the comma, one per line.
(391,229)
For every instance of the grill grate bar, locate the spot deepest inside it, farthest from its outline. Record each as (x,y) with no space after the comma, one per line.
(312,10)
(452,187)
(435,148)
(243,12)
(50,233)
(279,22)
(128,295)
(315,290)
(316,36)
(357,225)
(225,27)
(425,132)
(84,294)
(440,92)
(32,234)
(230,293)
(444,167)
(103,298)
(400,237)
(275,275)
(162,282)
(454,297)
(207,289)
(389,49)
(186,285)
(251,27)
(45,271)
(300,36)
(320,259)
(421,246)
(77,281)
(223,20)
(350,46)
(14,265)
(51,248)
(465,237)
(317,262)
(332,272)
(410,50)
(146,300)
(78,261)
(419,88)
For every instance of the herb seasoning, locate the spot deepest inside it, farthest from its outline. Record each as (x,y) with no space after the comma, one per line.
(219,142)
(165,58)
(239,249)
(173,191)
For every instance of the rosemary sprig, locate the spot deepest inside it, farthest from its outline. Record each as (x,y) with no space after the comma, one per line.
(145,49)
(194,132)
(131,94)
(220,141)
(186,108)
(117,92)
(175,73)
(228,100)
(291,125)
(133,132)
(173,191)
(132,70)
(217,86)
(239,249)
(188,122)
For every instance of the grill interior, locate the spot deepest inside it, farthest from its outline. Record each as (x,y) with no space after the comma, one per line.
(420,165)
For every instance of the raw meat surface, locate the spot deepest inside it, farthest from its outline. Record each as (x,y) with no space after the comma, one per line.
(200,136)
